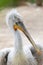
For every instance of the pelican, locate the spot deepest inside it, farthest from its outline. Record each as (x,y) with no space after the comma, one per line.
(19,55)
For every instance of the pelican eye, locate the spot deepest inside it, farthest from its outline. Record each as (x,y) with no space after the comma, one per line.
(19,22)
(16,23)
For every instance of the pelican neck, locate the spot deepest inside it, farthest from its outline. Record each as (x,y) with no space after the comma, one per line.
(18,41)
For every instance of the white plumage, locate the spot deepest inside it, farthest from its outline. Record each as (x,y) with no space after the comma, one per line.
(19,55)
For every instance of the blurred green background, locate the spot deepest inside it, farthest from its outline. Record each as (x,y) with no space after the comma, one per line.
(6,3)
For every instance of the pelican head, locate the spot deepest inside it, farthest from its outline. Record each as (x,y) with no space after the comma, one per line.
(14,21)
(13,18)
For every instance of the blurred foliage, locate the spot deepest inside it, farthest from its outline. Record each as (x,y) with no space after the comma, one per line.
(6,3)
(32,1)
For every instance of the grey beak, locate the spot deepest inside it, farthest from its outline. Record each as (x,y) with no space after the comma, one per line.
(24,30)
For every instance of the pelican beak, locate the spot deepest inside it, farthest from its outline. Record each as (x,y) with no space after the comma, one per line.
(21,27)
